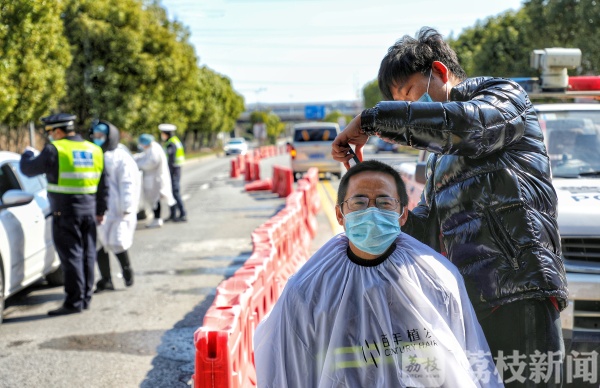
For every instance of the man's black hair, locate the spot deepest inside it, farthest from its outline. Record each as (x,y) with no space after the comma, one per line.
(409,56)
(372,165)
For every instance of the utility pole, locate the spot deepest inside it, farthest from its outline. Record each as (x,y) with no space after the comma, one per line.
(31,134)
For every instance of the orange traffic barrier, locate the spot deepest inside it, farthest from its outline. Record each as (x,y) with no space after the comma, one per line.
(256,172)
(264,184)
(248,171)
(283,181)
(241,162)
(235,171)
(219,347)
(224,347)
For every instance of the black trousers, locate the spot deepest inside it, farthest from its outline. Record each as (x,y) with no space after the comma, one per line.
(526,341)
(103,260)
(75,242)
(175,184)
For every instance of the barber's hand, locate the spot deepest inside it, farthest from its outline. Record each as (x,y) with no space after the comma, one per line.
(350,135)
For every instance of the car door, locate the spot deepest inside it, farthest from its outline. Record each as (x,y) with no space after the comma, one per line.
(26,226)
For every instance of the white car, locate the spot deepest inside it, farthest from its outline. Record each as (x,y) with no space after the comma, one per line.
(26,248)
(236,146)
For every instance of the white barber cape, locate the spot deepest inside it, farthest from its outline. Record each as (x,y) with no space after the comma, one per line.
(405,321)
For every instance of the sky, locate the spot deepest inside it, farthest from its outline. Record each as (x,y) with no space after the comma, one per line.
(306,51)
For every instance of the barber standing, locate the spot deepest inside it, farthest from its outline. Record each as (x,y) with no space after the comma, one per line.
(77,192)
(175,158)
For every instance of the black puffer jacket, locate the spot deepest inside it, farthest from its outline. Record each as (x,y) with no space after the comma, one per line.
(488,190)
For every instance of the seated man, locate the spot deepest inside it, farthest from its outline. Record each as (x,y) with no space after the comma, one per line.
(373,307)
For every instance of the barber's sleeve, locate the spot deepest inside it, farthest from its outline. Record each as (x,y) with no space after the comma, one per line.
(488,117)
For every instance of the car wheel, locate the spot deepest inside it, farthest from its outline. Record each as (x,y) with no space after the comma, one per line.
(56,278)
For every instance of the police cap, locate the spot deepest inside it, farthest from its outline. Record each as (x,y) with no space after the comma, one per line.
(167,127)
(65,121)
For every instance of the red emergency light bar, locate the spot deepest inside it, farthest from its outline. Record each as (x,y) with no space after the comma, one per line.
(584,83)
(579,87)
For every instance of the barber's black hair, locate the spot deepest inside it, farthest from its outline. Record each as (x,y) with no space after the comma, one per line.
(415,55)
(372,165)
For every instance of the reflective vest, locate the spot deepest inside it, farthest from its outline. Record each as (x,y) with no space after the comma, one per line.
(179,152)
(80,165)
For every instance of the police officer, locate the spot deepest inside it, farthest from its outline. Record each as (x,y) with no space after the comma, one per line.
(175,158)
(77,192)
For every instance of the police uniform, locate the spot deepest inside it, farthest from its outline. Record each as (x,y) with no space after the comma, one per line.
(175,157)
(77,192)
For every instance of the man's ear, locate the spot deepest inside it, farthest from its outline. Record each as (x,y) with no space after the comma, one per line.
(441,70)
(339,216)
(404,217)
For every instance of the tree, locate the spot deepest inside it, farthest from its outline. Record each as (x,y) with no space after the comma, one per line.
(33,57)
(371,94)
(273,124)
(108,68)
(567,23)
(499,46)
(222,106)
(175,92)
(337,116)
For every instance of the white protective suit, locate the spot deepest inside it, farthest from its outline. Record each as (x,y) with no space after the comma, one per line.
(404,322)
(156,181)
(123,176)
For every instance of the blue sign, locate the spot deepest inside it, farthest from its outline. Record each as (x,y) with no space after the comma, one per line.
(314,112)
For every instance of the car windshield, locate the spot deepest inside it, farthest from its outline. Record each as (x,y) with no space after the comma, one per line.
(573,142)
(236,141)
(314,134)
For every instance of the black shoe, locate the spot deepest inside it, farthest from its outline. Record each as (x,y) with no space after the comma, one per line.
(104,285)
(63,311)
(172,218)
(128,277)
(182,219)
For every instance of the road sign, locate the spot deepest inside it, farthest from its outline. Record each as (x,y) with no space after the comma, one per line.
(314,112)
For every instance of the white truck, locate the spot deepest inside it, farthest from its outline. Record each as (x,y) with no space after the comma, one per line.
(572,137)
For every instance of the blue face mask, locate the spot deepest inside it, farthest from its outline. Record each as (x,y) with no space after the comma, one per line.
(372,230)
(99,142)
(426,97)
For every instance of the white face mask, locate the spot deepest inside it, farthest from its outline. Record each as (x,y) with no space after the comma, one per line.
(50,138)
